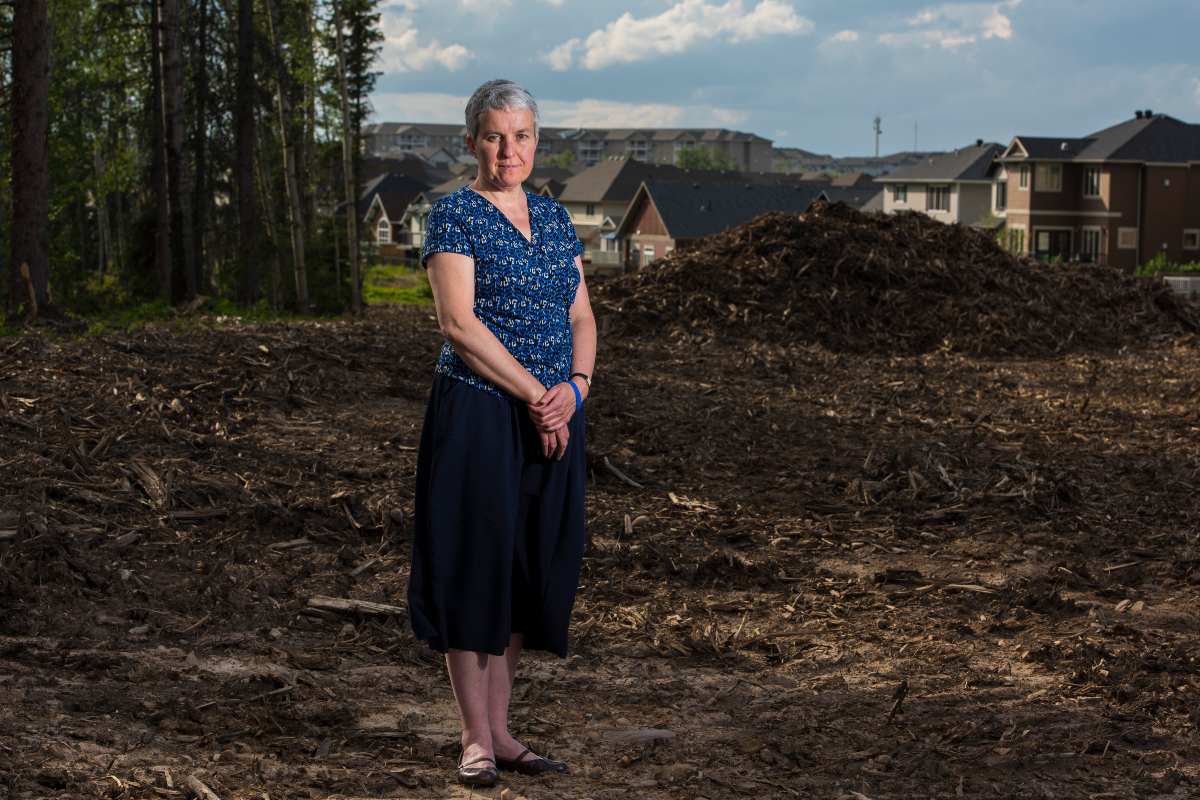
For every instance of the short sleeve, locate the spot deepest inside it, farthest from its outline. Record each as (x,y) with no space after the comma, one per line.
(569,227)
(445,233)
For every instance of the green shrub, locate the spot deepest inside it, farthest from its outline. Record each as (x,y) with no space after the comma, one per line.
(1160,264)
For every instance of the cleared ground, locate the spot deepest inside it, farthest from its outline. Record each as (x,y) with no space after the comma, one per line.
(844,575)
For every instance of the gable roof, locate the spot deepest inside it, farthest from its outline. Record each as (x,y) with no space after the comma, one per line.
(691,209)
(974,163)
(1158,138)
(394,192)
(612,180)
(864,198)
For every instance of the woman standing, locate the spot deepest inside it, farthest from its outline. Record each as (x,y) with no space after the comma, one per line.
(500,474)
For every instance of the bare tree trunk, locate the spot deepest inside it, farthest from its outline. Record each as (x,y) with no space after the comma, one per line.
(201,196)
(103,225)
(178,176)
(30,238)
(287,140)
(310,124)
(348,171)
(245,118)
(264,189)
(158,159)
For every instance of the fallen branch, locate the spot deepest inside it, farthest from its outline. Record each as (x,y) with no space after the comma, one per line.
(348,606)
(199,790)
(621,475)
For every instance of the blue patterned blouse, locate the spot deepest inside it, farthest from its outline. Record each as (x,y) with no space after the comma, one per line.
(523,287)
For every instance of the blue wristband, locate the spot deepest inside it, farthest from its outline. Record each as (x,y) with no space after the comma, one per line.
(578,396)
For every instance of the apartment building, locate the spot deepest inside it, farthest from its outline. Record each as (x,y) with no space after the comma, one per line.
(1118,196)
(745,151)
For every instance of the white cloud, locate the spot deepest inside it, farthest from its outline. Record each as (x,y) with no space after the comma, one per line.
(405,50)
(953,25)
(431,107)
(482,5)
(843,37)
(682,26)
(560,58)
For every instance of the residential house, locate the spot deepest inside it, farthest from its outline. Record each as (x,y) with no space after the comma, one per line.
(665,215)
(596,200)
(381,206)
(952,187)
(1118,196)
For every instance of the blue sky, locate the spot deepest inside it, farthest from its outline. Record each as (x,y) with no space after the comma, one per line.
(805,73)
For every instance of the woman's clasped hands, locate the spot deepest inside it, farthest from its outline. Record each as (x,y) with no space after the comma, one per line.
(551,414)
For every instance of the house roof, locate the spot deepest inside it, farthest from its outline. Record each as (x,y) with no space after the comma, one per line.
(612,180)
(692,209)
(1157,138)
(616,180)
(973,163)
(864,198)
(851,179)
(411,165)
(394,191)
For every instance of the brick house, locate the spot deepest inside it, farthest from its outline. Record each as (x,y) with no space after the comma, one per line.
(1118,196)
(950,187)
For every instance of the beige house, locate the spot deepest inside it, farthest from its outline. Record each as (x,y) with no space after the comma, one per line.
(951,187)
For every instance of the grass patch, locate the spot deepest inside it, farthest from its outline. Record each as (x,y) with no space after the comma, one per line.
(396,284)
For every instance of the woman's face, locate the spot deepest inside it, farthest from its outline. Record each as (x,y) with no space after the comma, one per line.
(504,147)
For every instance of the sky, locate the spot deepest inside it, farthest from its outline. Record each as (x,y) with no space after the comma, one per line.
(804,73)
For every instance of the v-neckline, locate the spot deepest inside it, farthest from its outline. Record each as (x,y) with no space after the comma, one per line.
(528,212)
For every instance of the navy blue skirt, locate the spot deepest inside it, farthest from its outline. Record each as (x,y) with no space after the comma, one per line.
(499,528)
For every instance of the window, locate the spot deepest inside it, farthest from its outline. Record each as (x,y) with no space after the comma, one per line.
(637,148)
(647,254)
(939,198)
(589,210)
(1023,177)
(1048,178)
(1191,239)
(1089,244)
(1091,182)
(1001,195)
(383,232)
(1127,238)
(900,193)
(591,151)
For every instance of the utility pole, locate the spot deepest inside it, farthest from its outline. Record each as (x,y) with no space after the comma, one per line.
(878,130)
(914,137)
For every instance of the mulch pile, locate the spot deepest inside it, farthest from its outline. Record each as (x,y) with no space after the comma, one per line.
(898,284)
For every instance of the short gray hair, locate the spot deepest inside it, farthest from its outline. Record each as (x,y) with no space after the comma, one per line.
(499,95)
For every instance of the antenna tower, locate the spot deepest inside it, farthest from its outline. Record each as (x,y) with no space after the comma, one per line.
(878,130)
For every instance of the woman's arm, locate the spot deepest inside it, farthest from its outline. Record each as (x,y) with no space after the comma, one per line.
(558,405)
(452,278)
(583,332)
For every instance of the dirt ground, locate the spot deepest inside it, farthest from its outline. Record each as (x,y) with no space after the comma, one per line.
(812,573)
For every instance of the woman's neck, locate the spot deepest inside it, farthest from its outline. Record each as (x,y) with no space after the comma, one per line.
(498,192)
